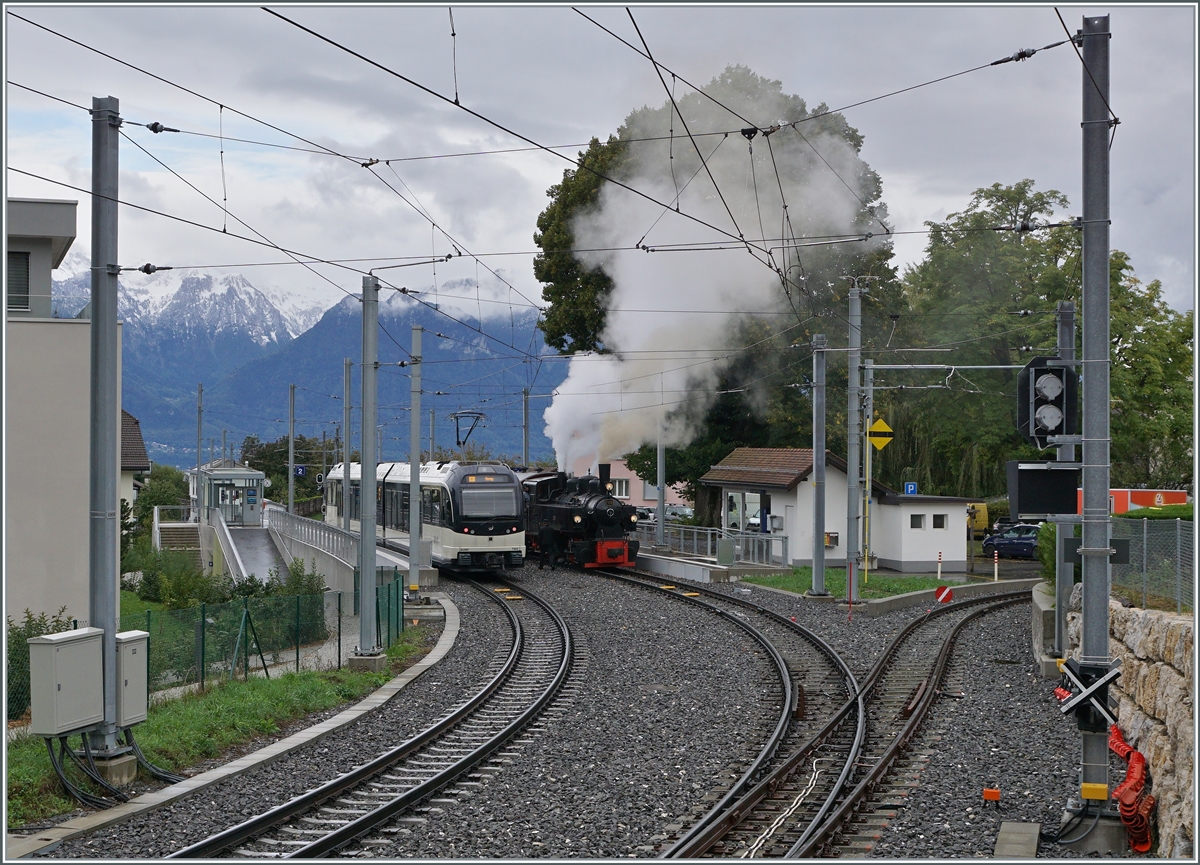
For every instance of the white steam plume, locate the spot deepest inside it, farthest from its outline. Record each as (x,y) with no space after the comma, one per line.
(668,362)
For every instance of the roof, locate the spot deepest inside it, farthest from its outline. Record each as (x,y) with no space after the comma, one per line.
(133,447)
(774,468)
(779,468)
(51,218)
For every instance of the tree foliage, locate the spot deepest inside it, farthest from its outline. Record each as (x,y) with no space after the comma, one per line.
(271,458)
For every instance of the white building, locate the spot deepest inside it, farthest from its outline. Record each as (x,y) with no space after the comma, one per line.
(906,532)
(47,395)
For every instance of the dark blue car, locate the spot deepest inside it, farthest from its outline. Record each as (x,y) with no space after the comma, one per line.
(1019,541)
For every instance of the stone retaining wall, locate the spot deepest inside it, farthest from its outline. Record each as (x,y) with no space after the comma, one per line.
(1155,693)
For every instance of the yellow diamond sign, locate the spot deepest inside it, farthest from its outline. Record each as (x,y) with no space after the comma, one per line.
(879,434)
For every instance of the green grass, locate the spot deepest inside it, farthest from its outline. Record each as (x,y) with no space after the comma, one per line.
(875,586)
(131,604)
(183,732)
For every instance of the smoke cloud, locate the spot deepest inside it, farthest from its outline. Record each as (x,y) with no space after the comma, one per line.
(675,313)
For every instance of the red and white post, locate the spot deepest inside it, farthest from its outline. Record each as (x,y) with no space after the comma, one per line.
(995,566)
(939,565)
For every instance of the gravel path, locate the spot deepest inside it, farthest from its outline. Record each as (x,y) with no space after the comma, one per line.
(1006,732)
(484,633)
(670,699)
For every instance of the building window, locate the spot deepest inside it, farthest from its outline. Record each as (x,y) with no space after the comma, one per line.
(939,521)
(620,488)
(916,521)
(649,491)
(18,280)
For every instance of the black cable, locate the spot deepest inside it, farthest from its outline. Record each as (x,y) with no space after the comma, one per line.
(488,120)
(48,96)
(156,771)
(1115,120)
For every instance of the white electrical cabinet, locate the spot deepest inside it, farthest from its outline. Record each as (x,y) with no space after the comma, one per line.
(66,681)
(131,677)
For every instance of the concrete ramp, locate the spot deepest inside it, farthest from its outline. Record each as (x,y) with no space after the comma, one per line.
(258,552)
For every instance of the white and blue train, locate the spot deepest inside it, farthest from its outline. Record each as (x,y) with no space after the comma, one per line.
(471,512)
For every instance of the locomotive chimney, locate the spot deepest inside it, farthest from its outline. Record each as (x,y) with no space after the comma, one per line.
(605,470)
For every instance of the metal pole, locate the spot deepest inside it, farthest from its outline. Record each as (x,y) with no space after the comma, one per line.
(346,365)
(1064,579)
(223,446)
(432,435)
(525,427)
(104,524)
(1095,379)
(291,449)
(414,465)
(323,459)
(1178,565)
(199,444)
(368,642)
(660,512)
(1145,538)
(818,544)
(868,416)
(853,493)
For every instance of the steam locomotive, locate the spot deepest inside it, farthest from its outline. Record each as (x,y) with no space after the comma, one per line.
(577,520)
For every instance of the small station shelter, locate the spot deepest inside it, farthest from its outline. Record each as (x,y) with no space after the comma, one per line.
(233,487)
(907,532)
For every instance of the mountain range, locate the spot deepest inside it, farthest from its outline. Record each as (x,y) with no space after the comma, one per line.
(248,345)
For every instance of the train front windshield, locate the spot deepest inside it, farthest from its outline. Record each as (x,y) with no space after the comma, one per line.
(490,503)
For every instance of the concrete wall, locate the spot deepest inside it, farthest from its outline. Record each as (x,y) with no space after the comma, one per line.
(45,228)
(1155,694)
(48,405)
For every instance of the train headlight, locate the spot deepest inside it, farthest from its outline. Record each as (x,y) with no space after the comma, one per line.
(633,519)
(578,519)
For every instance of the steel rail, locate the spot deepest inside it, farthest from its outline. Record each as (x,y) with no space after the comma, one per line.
(781,667)
(727,812)
(714,825)
(357,828)
(807,845)
(234,835)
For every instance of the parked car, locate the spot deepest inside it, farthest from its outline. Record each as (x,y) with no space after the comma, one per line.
(676,512)
(1018,540)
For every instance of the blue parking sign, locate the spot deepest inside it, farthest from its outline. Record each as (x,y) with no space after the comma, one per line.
(910,488)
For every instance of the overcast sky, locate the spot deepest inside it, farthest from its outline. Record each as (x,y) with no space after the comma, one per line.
(553,76)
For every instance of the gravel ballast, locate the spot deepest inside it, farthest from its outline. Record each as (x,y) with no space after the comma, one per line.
(670,700)
(669,707)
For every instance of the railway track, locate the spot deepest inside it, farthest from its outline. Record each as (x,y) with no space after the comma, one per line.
(821,684)
(341,815)
(821,782)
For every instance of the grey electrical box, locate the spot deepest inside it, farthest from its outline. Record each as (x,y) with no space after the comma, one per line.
(725,551)
(66,681)
(131,677)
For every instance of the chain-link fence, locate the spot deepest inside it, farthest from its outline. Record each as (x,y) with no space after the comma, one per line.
(1160,570)
(196,646)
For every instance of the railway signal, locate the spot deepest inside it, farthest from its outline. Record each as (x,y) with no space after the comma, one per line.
(944,594)
(1047,401)
(880,434)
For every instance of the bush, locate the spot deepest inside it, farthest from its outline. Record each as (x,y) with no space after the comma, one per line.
(172,578)
(18,653)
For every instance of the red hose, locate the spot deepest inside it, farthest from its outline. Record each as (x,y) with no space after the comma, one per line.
(1133,802)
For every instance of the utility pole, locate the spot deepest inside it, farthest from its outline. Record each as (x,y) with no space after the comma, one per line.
(212,448)
(199,446)
(1095,547)
(525,427)
(660,513)
(291,449)
(414,465)
(853,466)
(868,416)
(223,446)
(1064,572)
(818,549)
(323,460)
(432,436)
(368,640)
(104,524)
(346,364)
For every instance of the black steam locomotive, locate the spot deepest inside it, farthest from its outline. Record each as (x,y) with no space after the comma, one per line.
(578,521)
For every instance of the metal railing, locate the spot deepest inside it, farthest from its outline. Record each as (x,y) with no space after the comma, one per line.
(215,520)
(336,542)
(748,547)
(1161,556)
(164,514)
